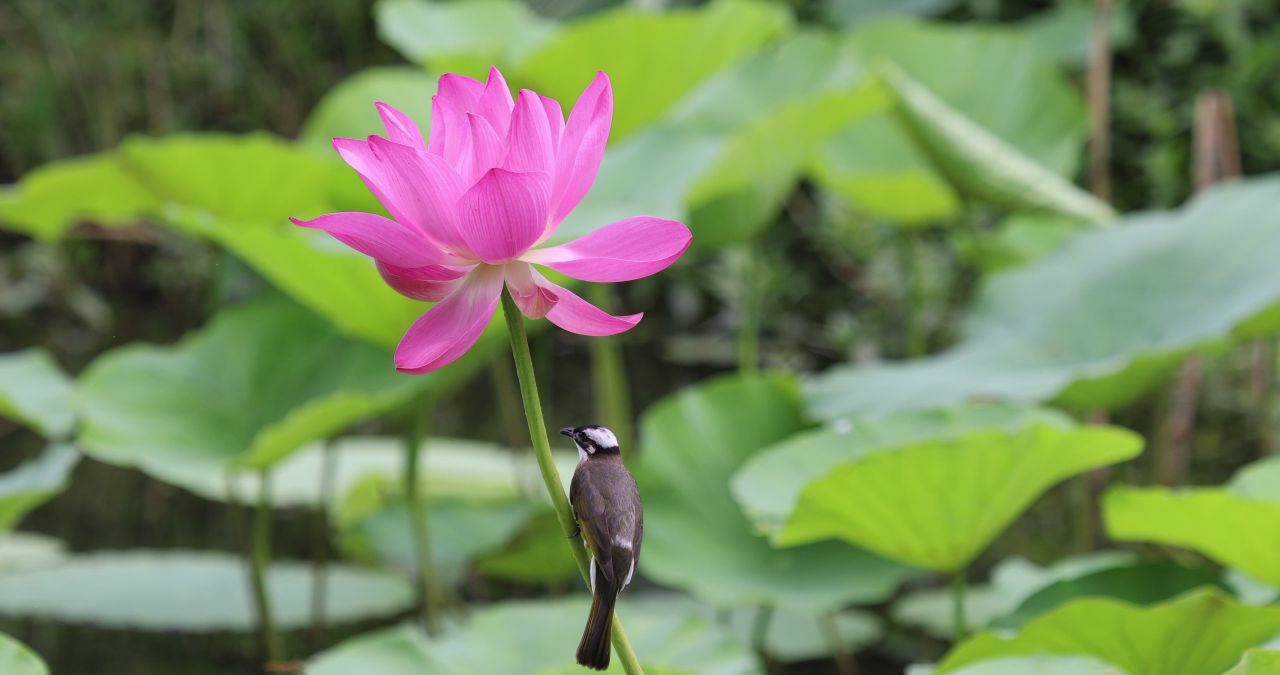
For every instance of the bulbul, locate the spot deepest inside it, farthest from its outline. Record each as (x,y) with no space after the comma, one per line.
(606,505)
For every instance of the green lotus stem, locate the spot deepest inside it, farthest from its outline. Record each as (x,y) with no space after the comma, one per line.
(914,332)
(760,634)
(259,560)
(609,377)
(957,606)
(749,330)
(845,663)
(319,537)
(550,475)
(428,590)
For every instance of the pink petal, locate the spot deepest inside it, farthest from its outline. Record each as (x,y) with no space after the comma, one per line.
(555,120)
(495,103)
(429,283)
(503,214)
(380,238)
(400,128)
(460,90)
(582,147)
(450,328)
(529,146)
(449,133)
(576,315)
(483,150)
(418,188)
(435,144)
(628,249)
(533,300)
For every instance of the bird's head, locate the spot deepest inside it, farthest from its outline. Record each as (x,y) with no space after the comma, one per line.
(592,440)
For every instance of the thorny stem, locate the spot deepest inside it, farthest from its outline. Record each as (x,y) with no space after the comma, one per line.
(550,475)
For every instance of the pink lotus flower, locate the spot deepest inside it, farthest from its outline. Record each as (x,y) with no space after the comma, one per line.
(467,207)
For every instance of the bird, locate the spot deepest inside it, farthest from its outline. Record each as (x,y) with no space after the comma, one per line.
(609,516)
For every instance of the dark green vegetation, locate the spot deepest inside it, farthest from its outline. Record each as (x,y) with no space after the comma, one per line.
(974,370)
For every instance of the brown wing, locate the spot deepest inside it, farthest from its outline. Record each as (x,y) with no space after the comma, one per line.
(589,508)
(606,503)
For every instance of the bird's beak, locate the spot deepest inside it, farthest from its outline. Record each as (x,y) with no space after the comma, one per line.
(567,431)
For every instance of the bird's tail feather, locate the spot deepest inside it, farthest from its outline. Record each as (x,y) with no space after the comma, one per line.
(593,650)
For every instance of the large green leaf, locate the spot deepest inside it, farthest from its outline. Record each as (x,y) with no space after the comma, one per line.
(799,636)
(1031,105)
(667,161)
(692,443)
(488,508)
(1141,584)
(775,107)
(956,120)
(1259,480)
(450,469)
(34,391)
(1041,664)
(239,192)
(1017,239)
(1233,525)
(465,37)
(535,556)
(1201,633)
(1257,662)
(980,163)
(459,532)
(875,165)
(17,659)
(53,197)
(769,485)
(256,384)
(256,177)
(1012,581)
(1099,321)
(347,110)
(481,496)
(328,279)
(930,494)
(1065,31)
(538,637)
(393,651)
(652,58)
(191,591)
(34,483)
(731,150)
(22,550)
(854,12)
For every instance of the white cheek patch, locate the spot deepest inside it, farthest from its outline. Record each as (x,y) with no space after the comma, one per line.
(582,454)
(603,437)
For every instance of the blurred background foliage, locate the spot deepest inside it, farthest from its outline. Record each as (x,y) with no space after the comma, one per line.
(891,247)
